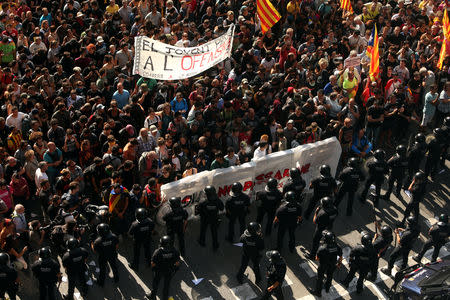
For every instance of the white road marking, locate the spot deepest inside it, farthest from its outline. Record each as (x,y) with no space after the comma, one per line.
(243,292)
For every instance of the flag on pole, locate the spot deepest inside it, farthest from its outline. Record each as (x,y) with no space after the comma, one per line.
(370,44)
(267,14)
(442,54)
(375,56)
(346,5)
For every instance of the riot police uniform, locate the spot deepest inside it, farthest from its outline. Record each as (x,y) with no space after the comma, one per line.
(350,178)
(46,270)
(380,243)
(377,169)
(415,157)
(324,218)
(288,215)
(106,248)
(398,164)
(296,184)
(435,148)
(165,262)
(74,261)
(252,245)
(8,278)
(405,244)
(209,215)
(446,133)
(327,255)
(324,186)
(439,234)
(237,208)
(176,220)
(141,230)
(276,270)
(269,200)
(417,190)
(362,258)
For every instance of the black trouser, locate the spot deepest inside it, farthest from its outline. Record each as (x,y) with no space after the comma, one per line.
(137,244)
(47,290)
(281,231)
(213,224)
(102,261)
(232,221)
(412,170)
(412,206)
(430,243)
(244,263)
(10,289)
(444,155)
(351,195)
(378,182)
(277,292)
(180,236)
(362,270)
(403,251)
(316,242)
(312,203)
(270,217)
(321,271)
(167,278)
(432,165)
(394,179)
(73,279)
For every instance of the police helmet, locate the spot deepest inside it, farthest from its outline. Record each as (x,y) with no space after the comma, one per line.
(210,190)
(175,202)
(236,188)
(438,132)
(72,243)
(4,259)
(379,154)
(273,255)
(290,197)
(325,170)
(329,237)
(366,240)
(166,241)
(401,150)
(419,175)
(447,121)
(294,173)
(254,228)
(353,162)
(386,231)
(272,184)
(411,221)
(45,253)
(443,218)
(102,229)
(326,202)
(140,214)
(420,138)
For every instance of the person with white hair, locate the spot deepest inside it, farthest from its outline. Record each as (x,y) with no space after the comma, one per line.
(19,220)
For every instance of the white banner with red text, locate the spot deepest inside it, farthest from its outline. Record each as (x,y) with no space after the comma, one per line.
(154,59)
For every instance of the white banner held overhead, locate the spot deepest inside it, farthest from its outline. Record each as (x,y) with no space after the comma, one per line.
(154,59)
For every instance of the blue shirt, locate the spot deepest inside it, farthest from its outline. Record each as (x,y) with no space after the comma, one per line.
(47,17)
(122,99)
(428,108)
(51,158)
(181,105)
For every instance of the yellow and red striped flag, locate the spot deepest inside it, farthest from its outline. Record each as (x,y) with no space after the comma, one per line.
(446,25)
(442,54)
(267,14)
(374,69)
(346,5)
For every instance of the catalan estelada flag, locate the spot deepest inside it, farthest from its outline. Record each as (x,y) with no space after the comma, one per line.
(346,5)
(267,14)
(442,54)
(446,25)
(374,69)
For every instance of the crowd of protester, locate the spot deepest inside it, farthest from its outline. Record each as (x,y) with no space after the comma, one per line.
(75,121)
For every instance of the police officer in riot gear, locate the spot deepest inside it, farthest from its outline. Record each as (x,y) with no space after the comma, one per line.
(287,216)
(165,262)
(377,169)
(398,164)
(8,278)
(415,157)
(269,200)
(362,258)
(439,234)
(327,255)
(417,189)
(209,215)
(435,147)
(324,186)
(350,178)
(252,245)
(324,218)
(74,261)
(176,221)
(141,230)
(237,207)
(405,243)
(276,270)
(446,133)
(381,243)
(106,246)
(296,184)
(46,270)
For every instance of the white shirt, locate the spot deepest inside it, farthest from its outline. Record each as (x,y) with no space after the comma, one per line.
(15,121)
(39,177)
(261,153)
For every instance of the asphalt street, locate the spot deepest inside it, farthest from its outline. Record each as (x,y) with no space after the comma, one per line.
(208,275)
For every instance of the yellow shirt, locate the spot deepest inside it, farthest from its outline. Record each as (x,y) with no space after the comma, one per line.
(112,9)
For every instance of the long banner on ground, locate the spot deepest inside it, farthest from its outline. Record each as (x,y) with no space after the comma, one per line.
(157,60)
(254,175)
